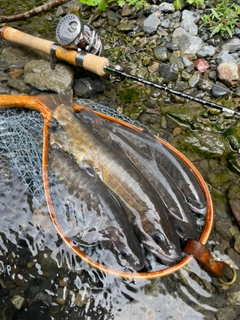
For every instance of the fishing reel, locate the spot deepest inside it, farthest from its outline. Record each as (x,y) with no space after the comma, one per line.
(73,33)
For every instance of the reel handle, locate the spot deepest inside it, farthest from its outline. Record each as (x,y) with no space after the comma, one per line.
(88,61)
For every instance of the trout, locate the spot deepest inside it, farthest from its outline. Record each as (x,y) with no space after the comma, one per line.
(144,208)
(94,216)
(179,211)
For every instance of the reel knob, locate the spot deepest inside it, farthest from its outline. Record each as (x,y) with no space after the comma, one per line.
(73,33)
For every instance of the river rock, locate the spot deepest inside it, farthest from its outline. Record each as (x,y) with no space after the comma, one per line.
(187,42)
(113,19)
(233,298)
(166,7)
(38,74)
(219,90)
(194,79)
(201,65)
(235,207)
(206,51)
(151,23)
(169,71)
(229,73)
(224,56)
(86,87)
(189,20)
(161,53)
(232,45)
(198,145)
(19,85)
(233,136)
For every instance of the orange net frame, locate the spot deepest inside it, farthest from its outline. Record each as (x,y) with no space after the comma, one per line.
(40,104)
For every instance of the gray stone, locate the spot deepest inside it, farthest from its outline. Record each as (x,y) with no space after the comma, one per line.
(86,87)
(232,45)
(186,62)
(19,85)
(161,53)
(172,46)
(206,51)
(190,15)
(113,19)
(190,27)
(187,42)
(151,23)
(166,7)
(219,90)
(224,56)
(233,298)
(194,80)
(229,73)
(169,72)
(226,313)
(173,58)
(38,74)
(165,23)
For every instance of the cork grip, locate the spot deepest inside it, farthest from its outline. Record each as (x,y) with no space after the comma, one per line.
(95,64)
(16,36)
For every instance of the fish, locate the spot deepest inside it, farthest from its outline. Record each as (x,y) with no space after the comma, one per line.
(93,216)
(166,159)
(183,218)
(144,208)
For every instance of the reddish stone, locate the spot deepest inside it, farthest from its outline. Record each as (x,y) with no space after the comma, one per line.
(201,65)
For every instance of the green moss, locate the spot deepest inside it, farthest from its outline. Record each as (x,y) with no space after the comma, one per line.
(130,95)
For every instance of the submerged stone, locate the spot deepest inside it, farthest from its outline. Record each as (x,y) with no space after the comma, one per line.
(198,145)
(233,136)
(234,162)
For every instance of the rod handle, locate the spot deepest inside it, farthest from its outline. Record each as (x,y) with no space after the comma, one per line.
(89,61)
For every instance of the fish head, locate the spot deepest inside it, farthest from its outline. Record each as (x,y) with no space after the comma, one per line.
(164,243)
(129,252)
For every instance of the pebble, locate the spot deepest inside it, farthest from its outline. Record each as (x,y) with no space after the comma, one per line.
(194,79)
(224,56)
(188,43)
(113,19)
(229,73)
(231,45)
(206,51)
(161,53)
(86,87)
(166,7)
(172,46)
(235,206)
(201,65)
(219,90)
(168,71)
(150,24)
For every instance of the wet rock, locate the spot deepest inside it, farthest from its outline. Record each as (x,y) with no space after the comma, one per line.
(206,85)
(38,74)
(183,114)
(194,79)
(166,7)
(128,10)
(233,298)
(86,87)
(81,299)
(233,191)
(234,162)
(173,58)
(229,73)
(161,53)
(219,90)
(198,145)
(231,45)
(17,57)
(113,19)
(235,206)
(36,310)
(125,26)
(223,229)
(201,65)
(172,46)
(206,51)
(151,23)
(226,313)
(169,72)
(18,301)
(237,243)
(187,62)
(187,42)
(19,85)
(233,136)
(219,177)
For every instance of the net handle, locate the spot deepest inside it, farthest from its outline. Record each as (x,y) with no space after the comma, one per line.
(88,61)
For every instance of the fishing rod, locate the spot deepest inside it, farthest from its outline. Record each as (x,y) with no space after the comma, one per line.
(80,45)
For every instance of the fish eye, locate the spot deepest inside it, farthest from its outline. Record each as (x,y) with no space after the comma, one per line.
(124,254)
(159,238)
(180,229)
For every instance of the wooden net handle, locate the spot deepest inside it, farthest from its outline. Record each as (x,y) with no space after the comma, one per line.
(89,61)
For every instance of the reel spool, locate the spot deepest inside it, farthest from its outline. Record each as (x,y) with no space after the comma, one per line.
(73,33)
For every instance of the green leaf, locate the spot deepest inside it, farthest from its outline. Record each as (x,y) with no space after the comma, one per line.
(229,31)
(216,29)
(215,14)
(177,4)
